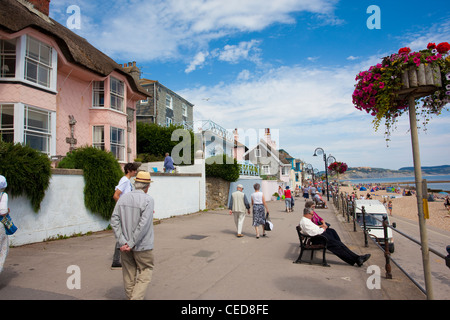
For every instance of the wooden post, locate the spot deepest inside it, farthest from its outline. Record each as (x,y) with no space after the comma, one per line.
(419,195)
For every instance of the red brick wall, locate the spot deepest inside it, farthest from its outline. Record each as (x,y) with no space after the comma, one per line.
(41,5)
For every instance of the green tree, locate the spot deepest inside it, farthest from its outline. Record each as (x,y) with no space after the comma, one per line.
(222,166)
(153,141)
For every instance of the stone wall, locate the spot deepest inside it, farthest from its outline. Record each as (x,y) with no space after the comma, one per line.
(217,191)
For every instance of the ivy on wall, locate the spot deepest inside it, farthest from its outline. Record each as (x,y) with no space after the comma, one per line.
(101,172)
(26,170)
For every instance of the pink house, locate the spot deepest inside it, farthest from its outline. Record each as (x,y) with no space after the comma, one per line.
(57,91)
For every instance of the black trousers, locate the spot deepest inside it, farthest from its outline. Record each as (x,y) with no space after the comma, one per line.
(335,245)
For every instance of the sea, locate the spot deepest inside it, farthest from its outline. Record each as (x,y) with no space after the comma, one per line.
(394,180)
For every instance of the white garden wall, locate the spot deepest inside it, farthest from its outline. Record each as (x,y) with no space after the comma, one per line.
(63,212)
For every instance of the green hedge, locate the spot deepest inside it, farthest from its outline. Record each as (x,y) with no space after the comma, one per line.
(101,172)
(222,166)
(153,141)
(26,170)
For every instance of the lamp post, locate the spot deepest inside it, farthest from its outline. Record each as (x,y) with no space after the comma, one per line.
(320,151)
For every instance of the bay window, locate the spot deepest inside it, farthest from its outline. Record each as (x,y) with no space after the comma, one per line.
(98,140)
(38,62)
(7,58)
(37,129)
(7,122)
(117,94)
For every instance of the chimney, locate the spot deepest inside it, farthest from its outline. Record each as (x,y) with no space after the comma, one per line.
(236,134)
(268,138)
(133,70)
(41,5)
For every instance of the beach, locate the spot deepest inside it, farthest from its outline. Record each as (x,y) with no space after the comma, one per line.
(406,206)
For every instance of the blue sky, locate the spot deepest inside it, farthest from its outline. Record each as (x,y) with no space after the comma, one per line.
(288,65)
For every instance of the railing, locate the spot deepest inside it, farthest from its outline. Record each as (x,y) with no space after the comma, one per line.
(248,169)
(347,208)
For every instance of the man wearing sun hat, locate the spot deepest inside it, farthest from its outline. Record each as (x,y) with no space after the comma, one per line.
(132,222)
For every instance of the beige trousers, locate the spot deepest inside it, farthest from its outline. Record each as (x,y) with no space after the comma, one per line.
(239,218)
(137,270)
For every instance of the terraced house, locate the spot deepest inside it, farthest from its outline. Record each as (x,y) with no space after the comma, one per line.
(57,91)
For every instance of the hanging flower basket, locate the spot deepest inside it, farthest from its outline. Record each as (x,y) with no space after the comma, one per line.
(383,90)
(338,167)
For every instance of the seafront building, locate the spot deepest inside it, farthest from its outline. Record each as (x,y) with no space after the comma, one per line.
(57,91)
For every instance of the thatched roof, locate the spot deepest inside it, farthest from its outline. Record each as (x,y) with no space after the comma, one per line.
(15,16)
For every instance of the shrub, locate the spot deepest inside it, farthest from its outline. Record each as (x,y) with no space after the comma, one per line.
(27,171)
(153,141)
(222,166)
(101,172)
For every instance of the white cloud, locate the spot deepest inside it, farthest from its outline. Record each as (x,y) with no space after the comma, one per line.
(312,59)
(311,107)
(245,50)
(352,58)
(244,75)
(148,30)
(199,59)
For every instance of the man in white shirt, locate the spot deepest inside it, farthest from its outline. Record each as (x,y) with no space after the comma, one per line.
(123,187)
(333,242)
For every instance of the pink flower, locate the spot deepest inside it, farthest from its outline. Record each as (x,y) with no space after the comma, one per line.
(381,85)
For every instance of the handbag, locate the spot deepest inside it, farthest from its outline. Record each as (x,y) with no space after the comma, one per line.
(10,227)
(268,225)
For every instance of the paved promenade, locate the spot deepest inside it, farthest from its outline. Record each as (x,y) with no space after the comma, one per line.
(198,257)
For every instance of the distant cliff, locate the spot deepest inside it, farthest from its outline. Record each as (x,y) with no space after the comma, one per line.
(368,172)
(430,170)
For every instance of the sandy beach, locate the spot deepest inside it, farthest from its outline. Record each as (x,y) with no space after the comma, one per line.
(406,206)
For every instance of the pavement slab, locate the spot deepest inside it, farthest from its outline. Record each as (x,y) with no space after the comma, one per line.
(199,257)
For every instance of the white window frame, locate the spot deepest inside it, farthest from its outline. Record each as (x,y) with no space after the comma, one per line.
(169,121)
(169,99)
(98,143)
(265,169)
(8,129)
(97,91)
(30,130)
(258,153)
(117,94)
(21,62)
(184,109)
(38,61)
(118,147)
(4,69)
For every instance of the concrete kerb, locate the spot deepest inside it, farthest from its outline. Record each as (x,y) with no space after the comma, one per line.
(199,257)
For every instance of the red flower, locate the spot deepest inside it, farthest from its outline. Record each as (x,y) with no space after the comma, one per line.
(404,50)
(443,47)
(431,46)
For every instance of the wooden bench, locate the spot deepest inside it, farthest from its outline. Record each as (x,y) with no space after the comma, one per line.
(306,243)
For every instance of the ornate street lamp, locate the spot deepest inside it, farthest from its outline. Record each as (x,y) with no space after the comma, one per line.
(320,151)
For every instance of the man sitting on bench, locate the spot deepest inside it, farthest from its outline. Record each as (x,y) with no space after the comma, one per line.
(333,242)
(319,200)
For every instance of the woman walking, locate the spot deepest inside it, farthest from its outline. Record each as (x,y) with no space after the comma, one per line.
(259,214)
(4,241)
(288,199)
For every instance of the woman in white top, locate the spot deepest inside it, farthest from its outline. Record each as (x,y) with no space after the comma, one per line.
(259,204)
(4,241)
